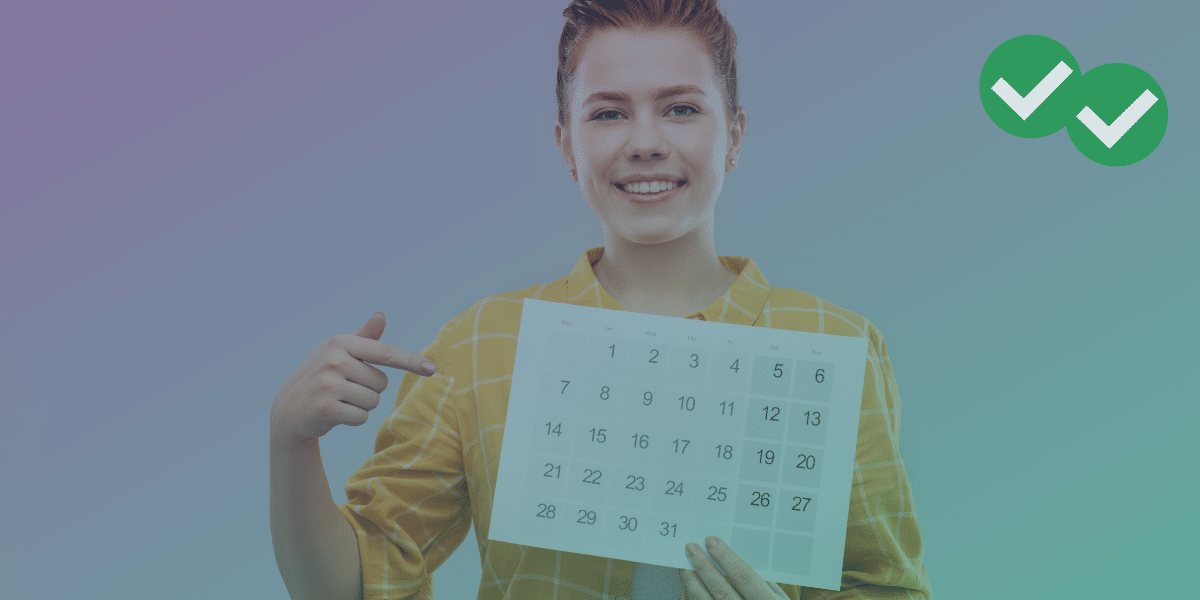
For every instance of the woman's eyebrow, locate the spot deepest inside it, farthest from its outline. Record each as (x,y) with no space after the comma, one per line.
(661,93)
(678,90)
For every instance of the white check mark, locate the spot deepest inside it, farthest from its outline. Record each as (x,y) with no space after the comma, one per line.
(1025,105)
(1110,134)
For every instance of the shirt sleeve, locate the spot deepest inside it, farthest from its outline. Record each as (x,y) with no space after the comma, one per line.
(883,541)
(409,504)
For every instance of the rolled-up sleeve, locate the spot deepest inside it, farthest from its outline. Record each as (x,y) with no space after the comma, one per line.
(408,503)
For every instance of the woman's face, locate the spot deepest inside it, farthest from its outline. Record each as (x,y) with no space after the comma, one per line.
(649,135)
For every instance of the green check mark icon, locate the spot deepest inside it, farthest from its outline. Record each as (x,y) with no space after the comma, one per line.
(1025,105)
(1041,69)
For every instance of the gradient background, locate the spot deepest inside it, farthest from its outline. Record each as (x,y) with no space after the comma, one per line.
(195,196)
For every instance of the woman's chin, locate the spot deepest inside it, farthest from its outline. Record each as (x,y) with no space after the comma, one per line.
(647,234)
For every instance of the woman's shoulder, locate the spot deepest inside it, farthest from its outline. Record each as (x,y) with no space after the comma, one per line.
(500,314)
(789,308)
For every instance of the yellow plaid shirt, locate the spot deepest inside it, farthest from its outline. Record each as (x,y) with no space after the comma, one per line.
(433,473)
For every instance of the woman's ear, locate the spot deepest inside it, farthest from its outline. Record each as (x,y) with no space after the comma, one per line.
(737,132)
(562,139)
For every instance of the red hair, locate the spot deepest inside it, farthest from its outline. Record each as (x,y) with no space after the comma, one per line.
(703,17)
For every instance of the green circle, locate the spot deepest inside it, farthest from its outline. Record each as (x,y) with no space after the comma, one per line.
(1023,63)
(1109,91)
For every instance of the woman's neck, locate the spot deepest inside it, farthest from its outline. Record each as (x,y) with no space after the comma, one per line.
(676,278)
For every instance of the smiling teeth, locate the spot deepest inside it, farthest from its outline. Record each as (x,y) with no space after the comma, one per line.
(649,187)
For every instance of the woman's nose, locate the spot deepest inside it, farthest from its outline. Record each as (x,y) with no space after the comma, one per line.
(646,141)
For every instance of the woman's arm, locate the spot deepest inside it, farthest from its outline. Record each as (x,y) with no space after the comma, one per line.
(883,541)
(315,547)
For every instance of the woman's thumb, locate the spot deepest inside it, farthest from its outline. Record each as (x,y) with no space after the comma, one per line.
(373,328)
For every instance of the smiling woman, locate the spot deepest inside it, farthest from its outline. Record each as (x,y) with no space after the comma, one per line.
(649,125)
(648,140)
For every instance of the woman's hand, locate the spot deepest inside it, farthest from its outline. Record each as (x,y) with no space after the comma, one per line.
(706,583)
(335,385)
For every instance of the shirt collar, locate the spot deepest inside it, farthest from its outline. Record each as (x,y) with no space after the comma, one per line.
(741,304)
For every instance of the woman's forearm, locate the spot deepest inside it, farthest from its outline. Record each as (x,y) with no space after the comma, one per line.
(316,549)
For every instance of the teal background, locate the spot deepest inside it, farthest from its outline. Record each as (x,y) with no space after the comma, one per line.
(193,196)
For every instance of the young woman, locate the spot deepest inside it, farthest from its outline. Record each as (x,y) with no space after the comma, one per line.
(648,124)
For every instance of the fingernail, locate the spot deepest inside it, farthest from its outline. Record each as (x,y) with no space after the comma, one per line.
(692,548)
(428,368)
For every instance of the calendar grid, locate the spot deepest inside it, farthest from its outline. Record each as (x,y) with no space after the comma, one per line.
(629,435)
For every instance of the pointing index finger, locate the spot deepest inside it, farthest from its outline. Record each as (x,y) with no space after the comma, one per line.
(385,354)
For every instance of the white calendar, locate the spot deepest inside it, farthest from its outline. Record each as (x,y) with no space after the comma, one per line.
(629,435)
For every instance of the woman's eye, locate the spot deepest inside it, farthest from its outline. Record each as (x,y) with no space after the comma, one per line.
(683,111)
(607,115)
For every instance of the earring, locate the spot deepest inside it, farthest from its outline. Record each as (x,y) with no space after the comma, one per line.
(572,173)
(733,161)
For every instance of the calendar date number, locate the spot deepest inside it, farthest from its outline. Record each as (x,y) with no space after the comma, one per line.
(591,476)
(718,493)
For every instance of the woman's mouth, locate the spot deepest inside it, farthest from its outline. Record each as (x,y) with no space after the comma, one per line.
(648,187)
(646,192)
